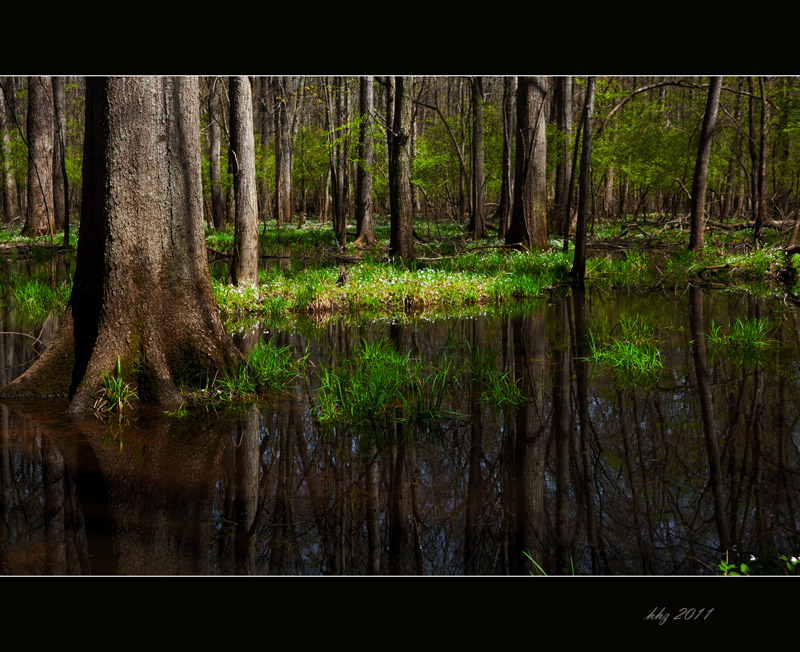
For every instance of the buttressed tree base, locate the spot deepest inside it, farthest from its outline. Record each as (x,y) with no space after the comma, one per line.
(142,289)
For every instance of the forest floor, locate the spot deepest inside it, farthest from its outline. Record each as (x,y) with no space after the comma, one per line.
(303,271)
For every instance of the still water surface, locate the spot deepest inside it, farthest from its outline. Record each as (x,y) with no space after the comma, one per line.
(592,474)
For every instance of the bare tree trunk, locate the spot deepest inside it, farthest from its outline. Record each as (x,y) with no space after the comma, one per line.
(60,192)
(364,229)
(285,87)
(215,150)
(478,221)
(137,278)
(507,184)
(10,203)
(578,270)
(41,129)
(697,218)
(528,227)
(757,159)
(401,240)
(244,267)
(564,164)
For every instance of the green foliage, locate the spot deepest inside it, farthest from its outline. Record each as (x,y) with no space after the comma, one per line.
(633,357)
(116,394)
(267,367)
(744,342)
(497,388)
(35,298)
(379,385)
(779,564)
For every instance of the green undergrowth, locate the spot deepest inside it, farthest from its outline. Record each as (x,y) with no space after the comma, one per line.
(35,298)
(630,350)
(743,340)
(380,385)
(265,370)
(394,288)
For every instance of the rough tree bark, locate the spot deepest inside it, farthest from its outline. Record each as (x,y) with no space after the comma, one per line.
(60,208)
(215,150)
(697,219)
(564,165)
(507,185)
(60,181)
(142,268)
(244,266)
(283,89)
(478,220)
(401,236)
(364,229)
(578,270)
(10,204)
(41,129)
(528,227)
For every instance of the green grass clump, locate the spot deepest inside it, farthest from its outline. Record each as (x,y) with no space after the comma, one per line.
(267,367)
(745,340)
(497,388)
(634,357)
(35,298)
(116,394)
(380,384)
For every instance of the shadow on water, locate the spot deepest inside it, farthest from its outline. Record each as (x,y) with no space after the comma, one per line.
(540,451)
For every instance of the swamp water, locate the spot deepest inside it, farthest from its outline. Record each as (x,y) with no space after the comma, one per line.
(531,452)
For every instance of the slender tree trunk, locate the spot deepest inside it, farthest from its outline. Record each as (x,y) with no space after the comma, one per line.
(285,87)
(697,219)
(41,129)
(244,267)
(564,163)
(59,166)
(60,181)
(478,221)
(401,240)
(528,227)
(758,162)
(10,203)
(215,150)
(507,184)
(578,270)
(364,228)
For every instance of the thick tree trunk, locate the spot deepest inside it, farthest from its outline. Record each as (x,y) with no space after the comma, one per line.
(528,227)
(244,266)
(215,150)
(478,221)
(401,237)
(142,268)
(697,219)
(364,228)
(41,128)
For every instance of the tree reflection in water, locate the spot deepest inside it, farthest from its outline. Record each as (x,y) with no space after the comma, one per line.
(589,473)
